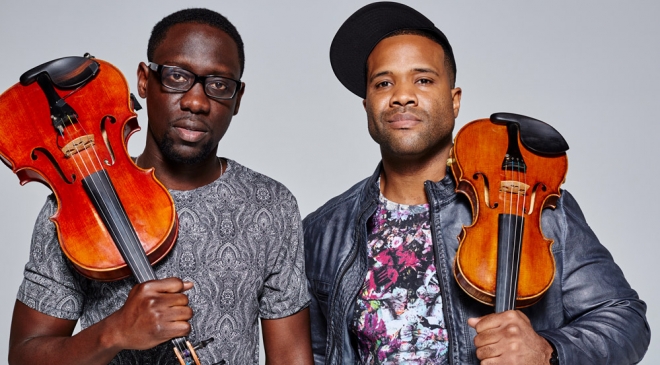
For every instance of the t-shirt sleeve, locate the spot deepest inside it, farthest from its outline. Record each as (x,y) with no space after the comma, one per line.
(285,287)
(49,286)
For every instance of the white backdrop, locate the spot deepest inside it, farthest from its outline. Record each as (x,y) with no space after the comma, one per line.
(589,68)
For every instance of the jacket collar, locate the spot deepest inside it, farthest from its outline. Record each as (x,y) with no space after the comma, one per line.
(443,190)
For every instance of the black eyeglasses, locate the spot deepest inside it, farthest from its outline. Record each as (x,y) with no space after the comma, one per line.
(182,80)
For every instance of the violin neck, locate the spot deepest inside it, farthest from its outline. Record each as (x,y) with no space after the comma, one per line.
(509,244)
(104,197)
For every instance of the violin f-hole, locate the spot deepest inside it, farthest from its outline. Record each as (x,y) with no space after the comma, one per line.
(104,133)
(486,190)
(53,162)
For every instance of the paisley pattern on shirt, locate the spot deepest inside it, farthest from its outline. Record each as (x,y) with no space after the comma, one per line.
(240,243)
(398,317)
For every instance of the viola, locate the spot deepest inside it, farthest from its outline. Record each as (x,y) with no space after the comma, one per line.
(66,124)
(510,167)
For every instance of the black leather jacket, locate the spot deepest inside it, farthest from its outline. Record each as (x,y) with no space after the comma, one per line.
(590,313)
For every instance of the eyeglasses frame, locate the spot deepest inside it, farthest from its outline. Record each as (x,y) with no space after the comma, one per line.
(198,79)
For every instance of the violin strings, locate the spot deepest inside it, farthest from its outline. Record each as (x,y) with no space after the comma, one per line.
(512,241)
(509,177)
(518,229)
(515,172)
(522,224)
(516,241)
(514,234)
(142,271)
(77,156)
(507,299)
(143,268)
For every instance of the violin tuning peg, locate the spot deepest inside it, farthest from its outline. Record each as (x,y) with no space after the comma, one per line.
(203,343)
(134,102)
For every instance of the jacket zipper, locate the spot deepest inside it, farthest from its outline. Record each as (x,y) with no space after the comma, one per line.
(436,248)
(346,265)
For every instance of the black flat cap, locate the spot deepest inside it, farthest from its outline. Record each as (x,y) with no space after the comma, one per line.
(362,31)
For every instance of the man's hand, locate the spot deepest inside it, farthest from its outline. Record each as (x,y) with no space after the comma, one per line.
(508,338)
(154,312)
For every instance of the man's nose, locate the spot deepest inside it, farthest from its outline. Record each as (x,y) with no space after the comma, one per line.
(195,100)
(404,94)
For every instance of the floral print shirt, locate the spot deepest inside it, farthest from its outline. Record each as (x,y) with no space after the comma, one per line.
(398,317)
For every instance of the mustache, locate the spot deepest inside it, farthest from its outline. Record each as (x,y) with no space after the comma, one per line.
(397,114)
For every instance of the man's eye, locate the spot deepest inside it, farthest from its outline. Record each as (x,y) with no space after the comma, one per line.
(425,81)
(177,77)
(383,84)
(218,85)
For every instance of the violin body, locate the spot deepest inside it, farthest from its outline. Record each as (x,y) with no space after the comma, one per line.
(508,186)
(96,139)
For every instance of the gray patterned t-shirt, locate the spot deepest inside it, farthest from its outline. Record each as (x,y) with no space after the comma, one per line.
(240,243)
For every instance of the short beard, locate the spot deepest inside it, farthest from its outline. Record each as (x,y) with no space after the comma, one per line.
(166,148)
(439,136)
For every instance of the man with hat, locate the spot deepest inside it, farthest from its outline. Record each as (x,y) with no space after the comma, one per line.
(379,256)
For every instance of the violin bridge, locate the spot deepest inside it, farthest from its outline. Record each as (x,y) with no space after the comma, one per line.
(77,145)
(513,187)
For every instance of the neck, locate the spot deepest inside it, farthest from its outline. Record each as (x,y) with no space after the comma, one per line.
(402,179)
(179,176)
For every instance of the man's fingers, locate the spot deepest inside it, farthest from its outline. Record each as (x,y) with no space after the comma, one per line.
(176,314)
(472,322)
(497,320)
(488,352)
(487,337)
(168,285)
(486,322)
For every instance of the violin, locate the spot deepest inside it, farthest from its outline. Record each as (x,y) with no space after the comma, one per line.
(66,124)
(510,167)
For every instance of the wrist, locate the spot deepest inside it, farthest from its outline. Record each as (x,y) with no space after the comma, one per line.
(109,335)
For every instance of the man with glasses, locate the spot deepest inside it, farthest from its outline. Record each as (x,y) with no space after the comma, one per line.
(238,256)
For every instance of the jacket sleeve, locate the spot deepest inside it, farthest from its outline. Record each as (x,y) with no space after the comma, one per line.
(605,319)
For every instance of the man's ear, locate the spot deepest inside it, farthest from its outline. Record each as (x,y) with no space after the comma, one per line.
(239,96)
(143,77)
(364,104)
(456,100)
